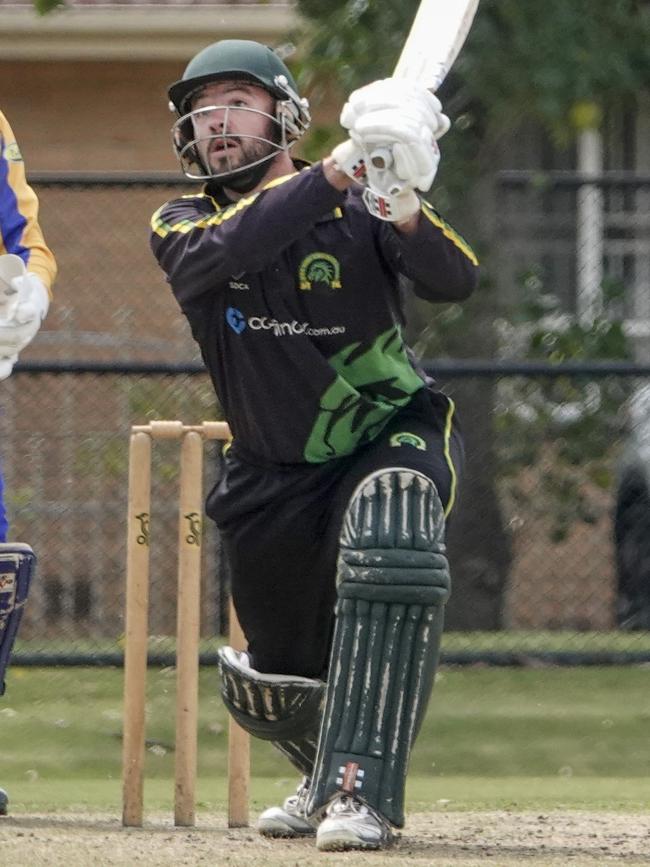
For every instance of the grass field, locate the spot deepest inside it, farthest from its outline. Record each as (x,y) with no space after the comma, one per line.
(579,733)
(542,766)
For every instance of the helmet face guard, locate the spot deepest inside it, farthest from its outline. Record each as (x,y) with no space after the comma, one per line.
(291,121)
(238,60)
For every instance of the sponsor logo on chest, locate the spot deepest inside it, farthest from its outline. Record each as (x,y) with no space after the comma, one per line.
(239,285)
(238,322)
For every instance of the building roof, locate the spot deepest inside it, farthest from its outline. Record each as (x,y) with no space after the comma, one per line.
(103,4)
(124,29)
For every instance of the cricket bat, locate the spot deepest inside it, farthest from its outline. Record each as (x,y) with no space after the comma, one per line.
(438,32)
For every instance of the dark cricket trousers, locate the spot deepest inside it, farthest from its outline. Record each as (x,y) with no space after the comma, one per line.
(280,528)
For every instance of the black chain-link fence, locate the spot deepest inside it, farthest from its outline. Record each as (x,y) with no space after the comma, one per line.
(544,563)
(532,546)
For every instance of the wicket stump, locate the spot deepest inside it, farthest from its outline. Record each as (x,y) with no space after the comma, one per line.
(187,629)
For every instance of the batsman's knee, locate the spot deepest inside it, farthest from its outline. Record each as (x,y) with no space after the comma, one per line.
(392,546)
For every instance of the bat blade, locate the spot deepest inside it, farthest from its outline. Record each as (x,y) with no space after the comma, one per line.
(437,34)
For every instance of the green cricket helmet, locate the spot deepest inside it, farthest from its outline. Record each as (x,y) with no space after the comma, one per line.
(235,59)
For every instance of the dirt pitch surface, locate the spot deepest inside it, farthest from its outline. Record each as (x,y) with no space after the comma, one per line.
(504,839)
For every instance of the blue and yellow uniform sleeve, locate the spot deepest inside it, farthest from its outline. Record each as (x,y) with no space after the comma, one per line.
(20,232)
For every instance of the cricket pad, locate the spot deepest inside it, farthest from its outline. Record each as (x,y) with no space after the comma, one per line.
(17,562)
(393,582)
(283,709)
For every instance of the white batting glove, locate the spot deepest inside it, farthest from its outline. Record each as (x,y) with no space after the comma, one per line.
(356,162)
(24,305)
(351,159)
(394,142)
(384,196)
(397,122)
(392,209)
(400,94)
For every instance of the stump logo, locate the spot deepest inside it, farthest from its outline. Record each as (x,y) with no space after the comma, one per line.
(404,438)
(319,271)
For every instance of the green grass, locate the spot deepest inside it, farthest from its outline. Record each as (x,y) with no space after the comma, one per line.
(525,738)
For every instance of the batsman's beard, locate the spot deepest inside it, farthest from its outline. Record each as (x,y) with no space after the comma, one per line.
(242,159)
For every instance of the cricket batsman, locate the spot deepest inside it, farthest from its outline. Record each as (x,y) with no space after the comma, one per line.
(27,272)
(345,459)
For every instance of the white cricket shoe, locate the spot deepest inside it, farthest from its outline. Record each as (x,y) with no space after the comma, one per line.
(289,820)
(350,824)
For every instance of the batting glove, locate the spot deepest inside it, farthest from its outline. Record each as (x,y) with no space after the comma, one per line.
(397,94)
(392,209)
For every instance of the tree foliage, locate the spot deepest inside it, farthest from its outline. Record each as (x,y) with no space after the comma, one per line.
(561,63)
(45,6)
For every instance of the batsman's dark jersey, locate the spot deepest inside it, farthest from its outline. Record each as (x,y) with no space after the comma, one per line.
(293,296)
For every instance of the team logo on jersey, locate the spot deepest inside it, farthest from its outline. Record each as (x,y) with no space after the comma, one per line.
(319,271)
(12,153)
(236,319)
(404,438)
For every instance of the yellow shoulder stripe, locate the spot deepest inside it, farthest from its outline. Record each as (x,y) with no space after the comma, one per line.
(163,228)
(277,181)
(448,232)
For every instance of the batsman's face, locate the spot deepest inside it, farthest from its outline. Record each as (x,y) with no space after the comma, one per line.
(233,124)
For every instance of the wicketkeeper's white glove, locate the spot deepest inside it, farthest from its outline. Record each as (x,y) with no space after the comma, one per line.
(24,302)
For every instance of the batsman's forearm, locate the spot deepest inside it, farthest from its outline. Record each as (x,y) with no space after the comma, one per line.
(440,262)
